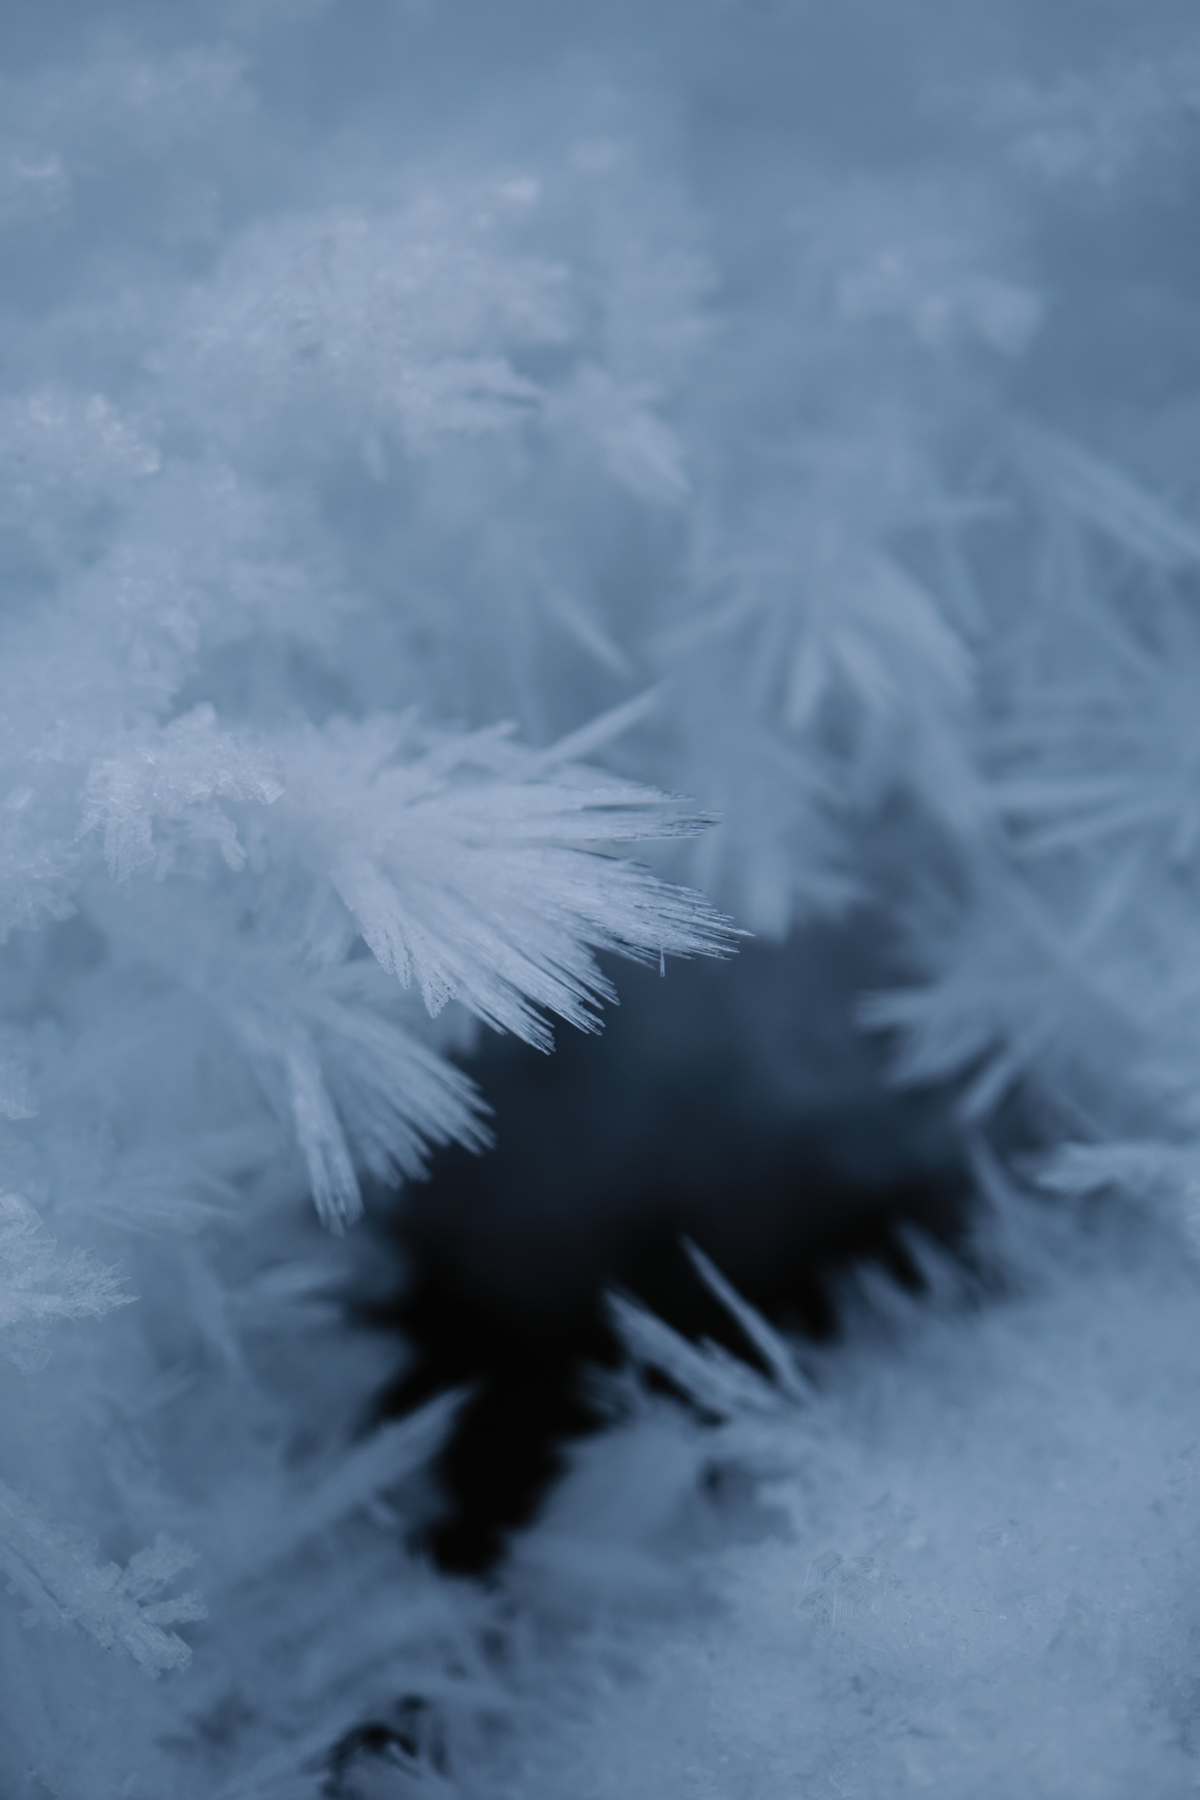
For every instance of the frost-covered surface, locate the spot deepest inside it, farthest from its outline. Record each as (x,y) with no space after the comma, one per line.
(967,1565)
(435,435)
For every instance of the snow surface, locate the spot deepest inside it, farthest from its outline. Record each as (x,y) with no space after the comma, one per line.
(966,1567)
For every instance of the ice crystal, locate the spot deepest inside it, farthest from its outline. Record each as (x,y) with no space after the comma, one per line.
(446,450)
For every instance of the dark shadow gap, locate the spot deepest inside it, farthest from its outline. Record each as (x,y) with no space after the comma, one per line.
(735,1104)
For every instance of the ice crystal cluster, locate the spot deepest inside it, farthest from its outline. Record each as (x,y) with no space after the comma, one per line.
(435,436)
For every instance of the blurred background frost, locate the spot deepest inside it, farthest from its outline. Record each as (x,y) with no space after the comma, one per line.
(434,437)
